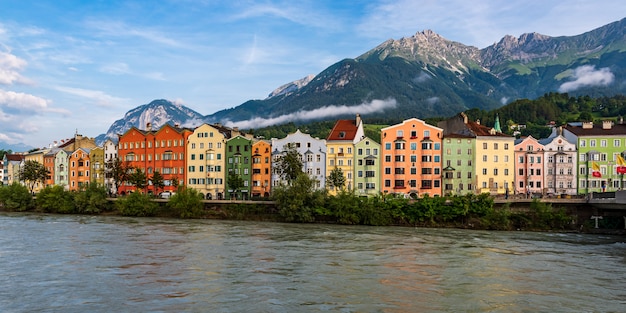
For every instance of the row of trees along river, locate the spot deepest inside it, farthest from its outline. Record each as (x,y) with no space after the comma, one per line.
(297,201)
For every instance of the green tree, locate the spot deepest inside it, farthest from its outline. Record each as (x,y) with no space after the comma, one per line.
(55,199)
(91,199)
(336,180)
(138,179)
(15,197)
(158,182)
(32,173)
(235,183)
(299,201)
(120,171)
(136,204)
(3,152)
(186,203)
(289,164)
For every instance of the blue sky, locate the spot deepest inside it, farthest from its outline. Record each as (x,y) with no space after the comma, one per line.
(68,66)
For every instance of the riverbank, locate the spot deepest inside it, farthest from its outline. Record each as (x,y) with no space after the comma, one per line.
(464,212)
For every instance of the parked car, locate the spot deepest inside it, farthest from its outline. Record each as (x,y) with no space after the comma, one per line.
(166,194)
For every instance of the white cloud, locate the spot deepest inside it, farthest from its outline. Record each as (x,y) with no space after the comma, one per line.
(10,65)
(432,100)
(22,101)
(587,75)
(99,97)
(116,68)
(422,77)
(324,112)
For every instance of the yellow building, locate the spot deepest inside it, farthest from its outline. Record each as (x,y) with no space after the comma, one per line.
(495,164)
(206,161)
(96,157)
(340,150)
(37,156)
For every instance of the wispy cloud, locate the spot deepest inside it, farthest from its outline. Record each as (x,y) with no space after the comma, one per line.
(98,97)
(587,75)
(321,113)
(113,29)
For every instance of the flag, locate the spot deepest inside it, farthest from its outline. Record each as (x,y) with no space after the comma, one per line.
(595,170)
(621,169)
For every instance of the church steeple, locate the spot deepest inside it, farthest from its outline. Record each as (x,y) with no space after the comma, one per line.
(496,125)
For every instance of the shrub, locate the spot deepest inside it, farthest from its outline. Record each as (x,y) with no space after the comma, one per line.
(55,199)
(91,199)
(16,197)
(186,203)
(137,204)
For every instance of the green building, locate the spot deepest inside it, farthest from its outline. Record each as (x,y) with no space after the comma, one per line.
(598,147)
(238,167)
(367,167)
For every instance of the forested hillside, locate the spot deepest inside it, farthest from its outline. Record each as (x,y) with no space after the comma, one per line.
(559,108)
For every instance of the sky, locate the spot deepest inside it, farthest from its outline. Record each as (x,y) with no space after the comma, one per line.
(77,66)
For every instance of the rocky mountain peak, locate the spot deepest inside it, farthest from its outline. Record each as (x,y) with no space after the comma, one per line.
(291,87)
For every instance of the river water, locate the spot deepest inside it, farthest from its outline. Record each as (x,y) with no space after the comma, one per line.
(55,263)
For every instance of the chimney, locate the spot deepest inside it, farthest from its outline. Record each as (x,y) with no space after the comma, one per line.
(587,125)
(176,125)
(149,126)
(478,121)
(620,120)
(607,124)
(358,119)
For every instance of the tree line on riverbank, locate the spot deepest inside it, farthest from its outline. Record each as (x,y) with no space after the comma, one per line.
(298,203)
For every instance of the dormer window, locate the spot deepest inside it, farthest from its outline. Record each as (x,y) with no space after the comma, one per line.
(342,134)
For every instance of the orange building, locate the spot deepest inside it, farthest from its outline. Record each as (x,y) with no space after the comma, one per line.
(79,169)
(261,168)
(151,151)
(48,162)
(411,163)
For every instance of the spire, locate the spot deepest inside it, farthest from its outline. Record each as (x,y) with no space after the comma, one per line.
(496,125)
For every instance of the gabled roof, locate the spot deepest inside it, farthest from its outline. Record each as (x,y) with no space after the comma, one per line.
(343,130)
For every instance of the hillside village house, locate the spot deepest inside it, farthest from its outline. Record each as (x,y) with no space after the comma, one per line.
(340,149)
(412,159)
(312,150)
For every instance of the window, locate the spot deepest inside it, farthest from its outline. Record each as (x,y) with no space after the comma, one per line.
(616,142)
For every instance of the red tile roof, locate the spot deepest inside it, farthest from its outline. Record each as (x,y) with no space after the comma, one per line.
(343,130)
(597,130)
(482,130)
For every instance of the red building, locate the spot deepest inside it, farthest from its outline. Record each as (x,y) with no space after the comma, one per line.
(151,151)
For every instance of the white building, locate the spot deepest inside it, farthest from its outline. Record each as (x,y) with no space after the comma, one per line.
(312,150)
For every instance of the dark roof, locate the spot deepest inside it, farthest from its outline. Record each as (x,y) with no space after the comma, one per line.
(343,130)
(597,130)
(15,157)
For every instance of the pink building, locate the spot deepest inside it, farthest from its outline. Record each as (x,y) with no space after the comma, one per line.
(529,159)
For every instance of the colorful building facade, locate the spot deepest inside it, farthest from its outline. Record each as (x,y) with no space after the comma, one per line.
(340,150)
(411,159)
(261,168)
(367,159)
(313,153)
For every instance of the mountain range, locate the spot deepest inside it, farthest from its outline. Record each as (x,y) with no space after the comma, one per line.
(422,76)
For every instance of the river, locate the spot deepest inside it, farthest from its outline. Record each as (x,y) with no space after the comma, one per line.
(56,263)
